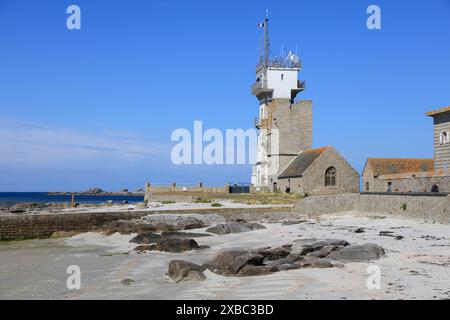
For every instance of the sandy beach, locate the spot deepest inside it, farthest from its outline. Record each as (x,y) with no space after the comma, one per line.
(414,267)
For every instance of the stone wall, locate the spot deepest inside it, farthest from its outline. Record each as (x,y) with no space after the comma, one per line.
(328,204)
(41,226)
(296,185)
(156,197)
(426,207)
(198,189)
(409,183)
(369,180)
(294,125)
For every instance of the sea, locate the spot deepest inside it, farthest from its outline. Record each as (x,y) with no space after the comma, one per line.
(45,197)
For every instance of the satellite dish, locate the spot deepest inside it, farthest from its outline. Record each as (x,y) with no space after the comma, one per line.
(294,59)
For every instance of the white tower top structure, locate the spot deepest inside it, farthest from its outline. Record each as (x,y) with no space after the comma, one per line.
(276,78)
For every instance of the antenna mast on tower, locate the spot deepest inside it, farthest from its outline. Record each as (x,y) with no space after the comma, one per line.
(266,41)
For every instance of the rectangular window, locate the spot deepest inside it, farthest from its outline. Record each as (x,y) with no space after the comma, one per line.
(367,186)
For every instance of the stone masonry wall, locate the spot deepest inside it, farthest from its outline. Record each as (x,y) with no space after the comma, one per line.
(411,184)
(294,125)
(425,207)
(41,226)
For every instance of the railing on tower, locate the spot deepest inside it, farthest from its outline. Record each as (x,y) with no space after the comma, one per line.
(301,84)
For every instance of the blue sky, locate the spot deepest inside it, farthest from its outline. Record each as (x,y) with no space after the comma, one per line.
(97,106)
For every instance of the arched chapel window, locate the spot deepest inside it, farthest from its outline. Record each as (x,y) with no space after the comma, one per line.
(330,177)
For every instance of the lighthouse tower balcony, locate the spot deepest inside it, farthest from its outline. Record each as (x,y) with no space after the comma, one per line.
(277,90)
(261,91)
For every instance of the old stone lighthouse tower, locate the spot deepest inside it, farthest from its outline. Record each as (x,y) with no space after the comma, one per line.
(284,126)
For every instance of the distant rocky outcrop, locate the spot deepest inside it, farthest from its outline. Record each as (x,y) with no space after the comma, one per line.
(94,191)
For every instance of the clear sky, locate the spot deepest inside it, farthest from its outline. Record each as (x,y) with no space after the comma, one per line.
(97,106)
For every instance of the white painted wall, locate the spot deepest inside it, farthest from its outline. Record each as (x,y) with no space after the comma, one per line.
(282,82)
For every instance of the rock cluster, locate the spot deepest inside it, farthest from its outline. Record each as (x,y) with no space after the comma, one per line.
(165,233)
(234,227)
(167,241)
(174,222)
(126,227)
(303,254)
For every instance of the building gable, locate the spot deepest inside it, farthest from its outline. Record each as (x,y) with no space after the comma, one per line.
(301,163)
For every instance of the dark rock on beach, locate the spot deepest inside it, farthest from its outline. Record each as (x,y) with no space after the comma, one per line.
(273,254)
(293,222)
(181,271)
(324,252)
(151,237)
(146,238)
(358,253)
(303,247)
(171,223)
(177,234)
(230,262)
(173,245)
(234,227)
(252,271)
(125,227)
(390,234)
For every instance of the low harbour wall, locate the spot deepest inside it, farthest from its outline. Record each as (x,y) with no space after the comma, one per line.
(14,227)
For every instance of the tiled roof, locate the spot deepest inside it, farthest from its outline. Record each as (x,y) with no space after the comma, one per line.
(436,112)
(383,166)
(303,161)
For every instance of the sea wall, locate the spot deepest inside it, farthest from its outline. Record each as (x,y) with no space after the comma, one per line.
(327,204)
(44,225)
(149,189)
(427,207)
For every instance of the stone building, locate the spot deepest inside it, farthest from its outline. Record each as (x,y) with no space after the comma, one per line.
(414,175)
(441,120)
(285,127)
(319,171)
